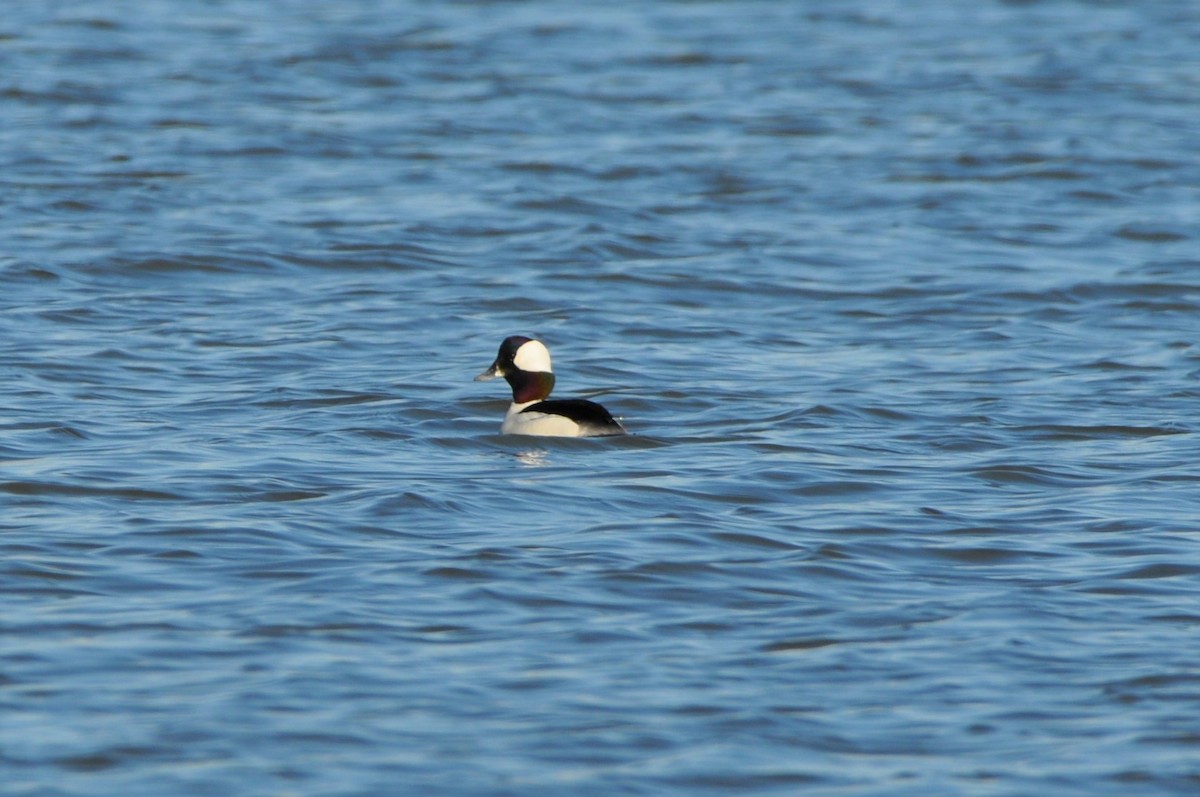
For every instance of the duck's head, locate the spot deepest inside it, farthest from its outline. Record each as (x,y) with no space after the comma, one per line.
(525,365)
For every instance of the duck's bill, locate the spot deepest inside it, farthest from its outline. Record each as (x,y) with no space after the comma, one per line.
(490,373)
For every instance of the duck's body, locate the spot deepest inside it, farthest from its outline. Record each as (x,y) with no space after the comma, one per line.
(525,365)
(560,418)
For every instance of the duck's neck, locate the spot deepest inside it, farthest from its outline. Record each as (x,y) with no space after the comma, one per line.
(530,386)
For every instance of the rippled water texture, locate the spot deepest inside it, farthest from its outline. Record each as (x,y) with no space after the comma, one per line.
(900,300)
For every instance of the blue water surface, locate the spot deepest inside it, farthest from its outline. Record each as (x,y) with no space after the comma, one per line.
(899,301)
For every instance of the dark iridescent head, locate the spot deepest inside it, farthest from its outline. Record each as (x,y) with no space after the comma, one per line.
(525,365)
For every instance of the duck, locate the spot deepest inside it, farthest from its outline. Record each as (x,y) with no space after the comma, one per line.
(525,365)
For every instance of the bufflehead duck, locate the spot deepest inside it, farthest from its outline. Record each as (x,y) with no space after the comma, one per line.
(525,365)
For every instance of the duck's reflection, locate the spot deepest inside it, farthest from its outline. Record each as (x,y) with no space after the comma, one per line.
(534,458)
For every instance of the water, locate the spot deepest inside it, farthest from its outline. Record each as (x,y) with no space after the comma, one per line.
(900,301)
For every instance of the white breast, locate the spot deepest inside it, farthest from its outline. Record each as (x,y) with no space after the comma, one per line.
(538,423)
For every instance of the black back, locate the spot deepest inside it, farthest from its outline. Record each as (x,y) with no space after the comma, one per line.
(587,414)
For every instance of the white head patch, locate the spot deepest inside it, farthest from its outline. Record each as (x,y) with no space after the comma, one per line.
(533,356)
